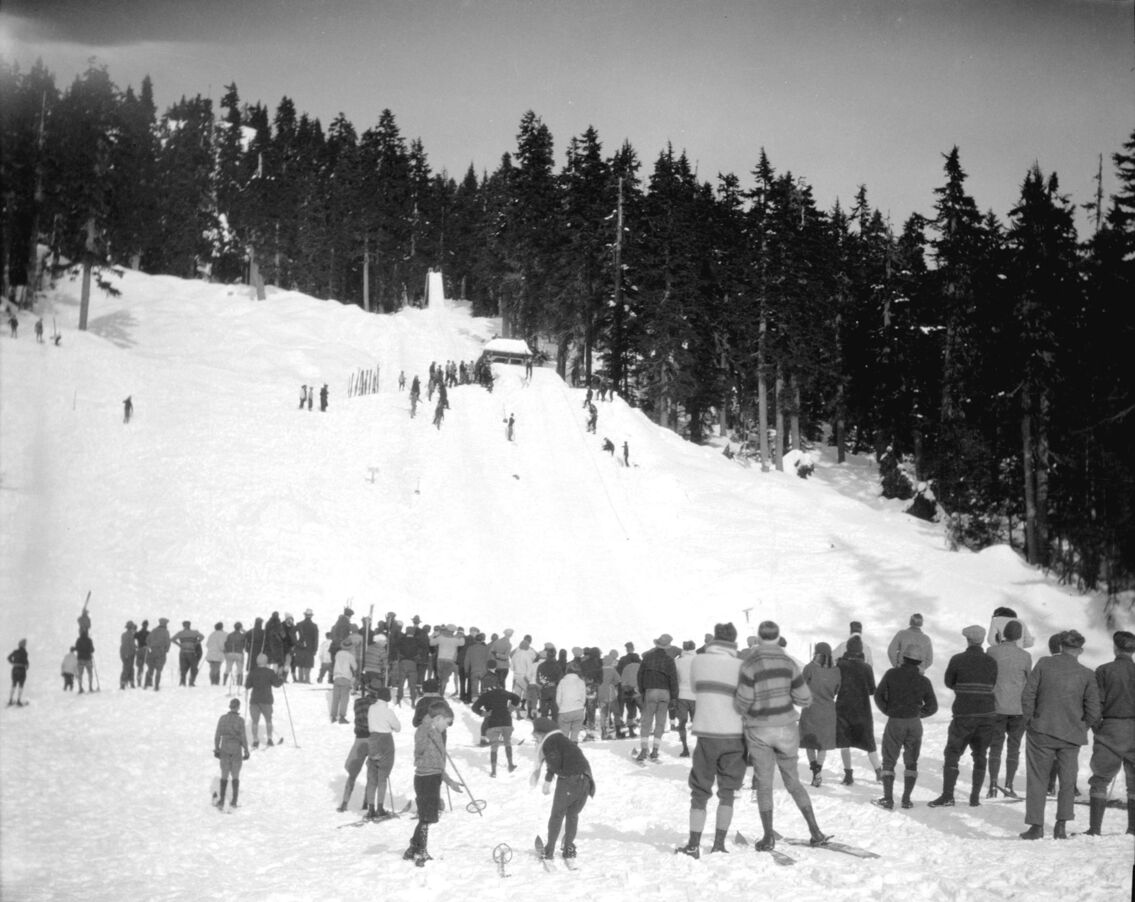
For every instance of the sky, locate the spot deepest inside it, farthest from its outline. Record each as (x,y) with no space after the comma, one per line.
(840,92)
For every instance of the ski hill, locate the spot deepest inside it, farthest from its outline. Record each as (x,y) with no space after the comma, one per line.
(221,500)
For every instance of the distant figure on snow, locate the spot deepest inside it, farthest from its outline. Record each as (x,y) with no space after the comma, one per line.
(626,455)
(439,411)
(19,661)
(127,409)
(323,398)
(310,396)
(402,380)
(511,424)
(230,747)
(592,416)
(303,396)
(609,446)
(39,330)
(13,324)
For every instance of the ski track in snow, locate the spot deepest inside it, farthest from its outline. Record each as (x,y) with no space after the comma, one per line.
(223,501)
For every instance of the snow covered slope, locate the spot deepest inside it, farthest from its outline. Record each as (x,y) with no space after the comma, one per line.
(222,501)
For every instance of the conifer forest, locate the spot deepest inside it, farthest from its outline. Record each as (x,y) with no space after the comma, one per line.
(979,356)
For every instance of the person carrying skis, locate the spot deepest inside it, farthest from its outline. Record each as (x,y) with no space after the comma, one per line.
(769,690)
(85,650)
(720,751)
(495,704)
(429,773)
(230,747)
(19,661)
(568,766)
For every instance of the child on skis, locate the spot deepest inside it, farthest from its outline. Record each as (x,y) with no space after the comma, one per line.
(574,785)
(495,705)
(429,773)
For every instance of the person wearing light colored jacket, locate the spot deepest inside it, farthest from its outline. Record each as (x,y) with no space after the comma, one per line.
(571,702)
(683,707)
(215,652)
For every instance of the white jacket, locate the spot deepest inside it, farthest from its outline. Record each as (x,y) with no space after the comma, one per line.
(571,693)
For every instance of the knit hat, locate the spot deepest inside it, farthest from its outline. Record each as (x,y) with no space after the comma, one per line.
(234,704)
(543,725)
(822,648)
(1012,631)
(855,627)
(1124,641)
(974,634)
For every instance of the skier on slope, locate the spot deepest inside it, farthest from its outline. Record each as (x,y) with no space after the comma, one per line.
(360,745)
(429,773)
(439,412)
(567,765)
(260,681)
(230,747)
(383,724)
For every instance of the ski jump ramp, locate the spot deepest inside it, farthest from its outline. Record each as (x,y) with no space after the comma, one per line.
(435,290)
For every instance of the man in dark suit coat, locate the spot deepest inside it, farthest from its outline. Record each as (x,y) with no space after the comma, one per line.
(1060,702)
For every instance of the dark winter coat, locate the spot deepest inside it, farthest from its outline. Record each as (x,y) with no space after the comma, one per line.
(254,640)
(274,640)
(658,671)
(84,648)
(904,692)
(564,758)
(126,645)
(158,641)
(495,702)
(1061,699)
(307,633)
(260,681)
(630,657)
(854,725)
(477,660)
(972,674)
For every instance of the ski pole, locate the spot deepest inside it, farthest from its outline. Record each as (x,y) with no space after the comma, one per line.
(98,682)
(477,805)
(288,706)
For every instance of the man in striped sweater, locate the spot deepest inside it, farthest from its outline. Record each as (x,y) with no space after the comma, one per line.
(769,690)
(972,674)
(720,751)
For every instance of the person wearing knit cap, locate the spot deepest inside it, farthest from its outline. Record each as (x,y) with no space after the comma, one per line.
(769,690)
(1060,702)
(230,747)
(719,755)
(905,639)
(855,628)
(818,720)
(568,766)
(1114,745)
(906,697)
(1013,667)
(971,674)
(657,685)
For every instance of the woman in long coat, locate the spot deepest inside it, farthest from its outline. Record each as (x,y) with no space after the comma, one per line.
(818,720)
(855,728)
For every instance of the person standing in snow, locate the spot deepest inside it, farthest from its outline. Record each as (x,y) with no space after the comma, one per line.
(157,647)
(323,392)
(972,674)
(326,662)
(818,720)
(303,396)
(126,655)
(310,396)
(13,324)
(904,639)
(234,654)
(39,330)
(127,409)
(1114,745)
(495,704)
(501,652)
(215,652)
(19,661)
(568,766)
(68,668)
(439,412)
(592,417)
(626,455)
(260,681)
(904,695)
(343,680)
(1001,617)
(85,651)
(186,640)
(769,690)
(447,642)
(307,640)
(854,726)
(360,745)
(509,428)
(571,702)
(429,773)
(685,703)
(523,667)
(657,685)
(1013,667)
(401,380)
(230,747)
(382,724)
(140,637)
(1060,702)
(415,395)
(719,755)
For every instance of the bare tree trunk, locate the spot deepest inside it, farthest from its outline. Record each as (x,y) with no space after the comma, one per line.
(85,296)
(794,418)
(778,449)
(762,396)
(1040,472)
(366,273)
(838,426)
(1031,549)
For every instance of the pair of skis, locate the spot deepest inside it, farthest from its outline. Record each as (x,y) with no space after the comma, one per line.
(831,845)
(389,816)
(548,863)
